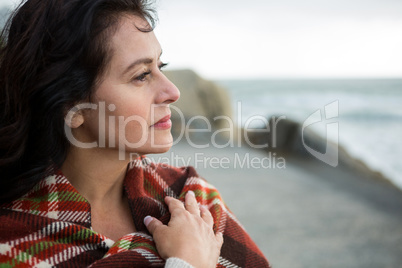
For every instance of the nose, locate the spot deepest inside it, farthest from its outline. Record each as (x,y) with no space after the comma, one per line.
(168,93)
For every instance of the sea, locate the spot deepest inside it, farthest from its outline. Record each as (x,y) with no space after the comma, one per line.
(369,113)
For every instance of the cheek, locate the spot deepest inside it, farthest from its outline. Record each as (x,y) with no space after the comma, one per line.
(126,119)
(128,126)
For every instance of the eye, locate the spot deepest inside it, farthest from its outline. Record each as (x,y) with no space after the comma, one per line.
(143,76)
(162,66)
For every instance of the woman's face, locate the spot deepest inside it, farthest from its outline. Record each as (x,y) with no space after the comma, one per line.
(135,93)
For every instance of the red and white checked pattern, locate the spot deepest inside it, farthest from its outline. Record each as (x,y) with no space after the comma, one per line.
(52,223)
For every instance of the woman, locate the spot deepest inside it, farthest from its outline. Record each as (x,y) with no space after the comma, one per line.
(82,92)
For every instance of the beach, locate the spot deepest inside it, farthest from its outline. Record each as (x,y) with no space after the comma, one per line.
(300,211)
(306,214)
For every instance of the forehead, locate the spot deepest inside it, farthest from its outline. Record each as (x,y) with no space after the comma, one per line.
(129,43)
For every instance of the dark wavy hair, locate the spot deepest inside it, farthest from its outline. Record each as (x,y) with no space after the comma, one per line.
(52,56)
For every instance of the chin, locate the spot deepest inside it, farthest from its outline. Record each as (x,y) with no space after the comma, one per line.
(159,147)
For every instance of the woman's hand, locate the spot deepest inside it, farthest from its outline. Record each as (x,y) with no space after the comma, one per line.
(188,235)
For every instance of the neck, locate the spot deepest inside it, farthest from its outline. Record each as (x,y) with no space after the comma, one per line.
(97,174)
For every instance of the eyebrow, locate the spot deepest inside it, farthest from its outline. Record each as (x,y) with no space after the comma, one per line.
(140,61)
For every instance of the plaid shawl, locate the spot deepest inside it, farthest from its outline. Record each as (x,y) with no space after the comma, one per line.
(51,225)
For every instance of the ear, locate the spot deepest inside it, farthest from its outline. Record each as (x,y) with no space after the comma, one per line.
(74,119)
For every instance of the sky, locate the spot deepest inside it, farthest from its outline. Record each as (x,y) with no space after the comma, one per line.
(238,39)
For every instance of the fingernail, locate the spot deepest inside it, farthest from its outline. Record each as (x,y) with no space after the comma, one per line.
(192,193)
(147,220)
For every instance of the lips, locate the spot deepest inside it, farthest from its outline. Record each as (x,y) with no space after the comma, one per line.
(163,123)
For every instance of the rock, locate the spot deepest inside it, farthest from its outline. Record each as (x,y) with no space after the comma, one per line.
(281,136)
(199,98)
(284,136)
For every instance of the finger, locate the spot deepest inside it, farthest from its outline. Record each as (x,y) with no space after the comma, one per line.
(219,239)
(173,204)
(191,203)
(207,216)
(152,224)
